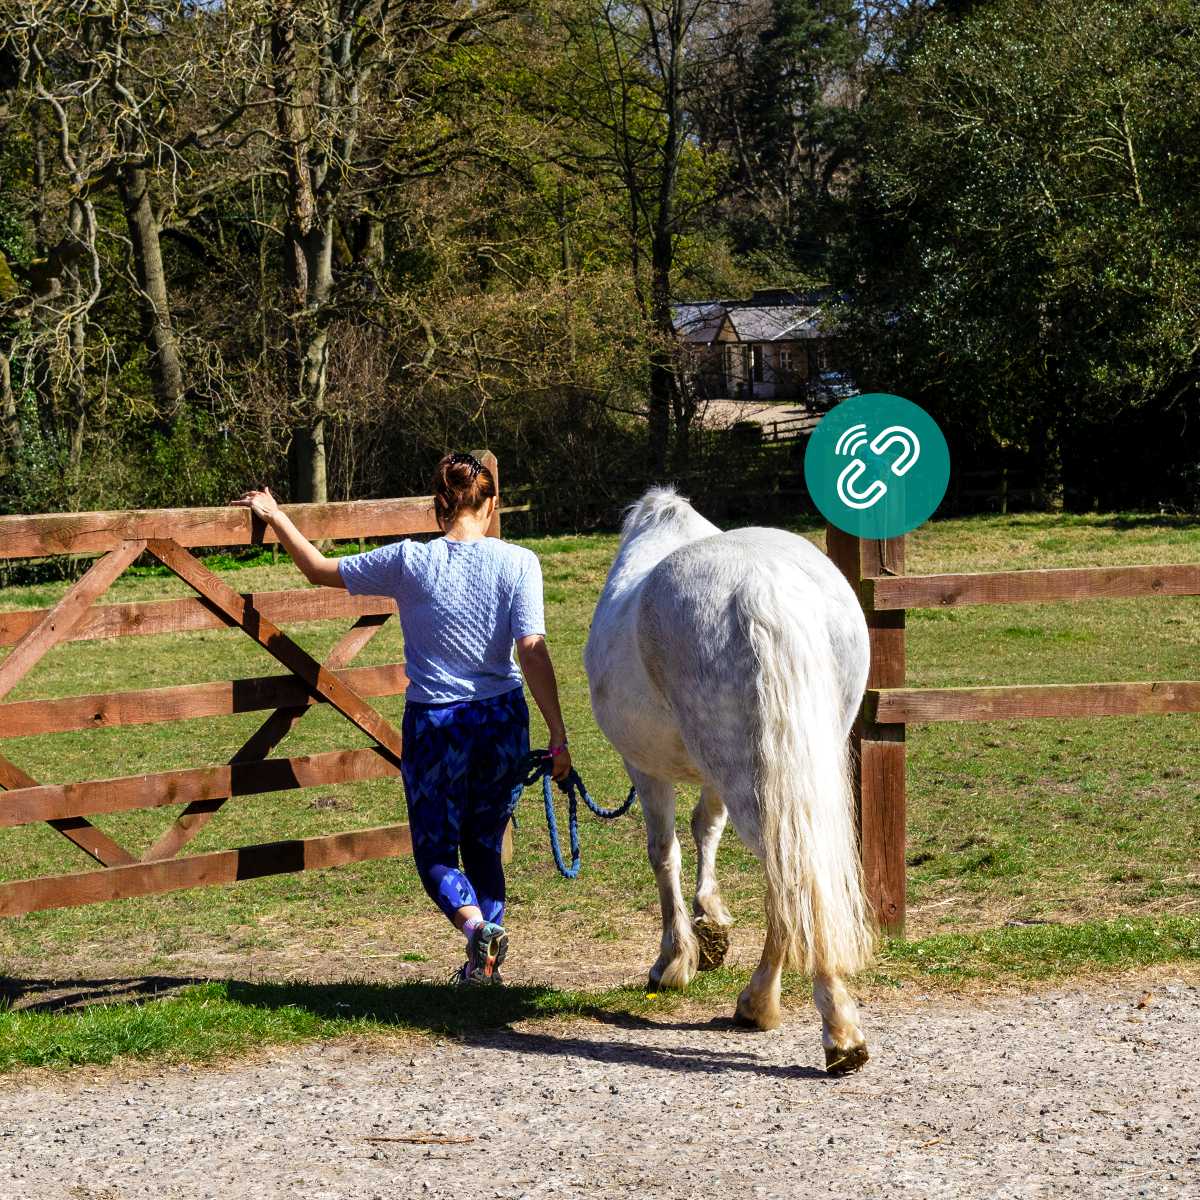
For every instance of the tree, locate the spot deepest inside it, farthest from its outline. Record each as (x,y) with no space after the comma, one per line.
(344,84)
(782,104)
(628,86)
(1023,253)
(98,88)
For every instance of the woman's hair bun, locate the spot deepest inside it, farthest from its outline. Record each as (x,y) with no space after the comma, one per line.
(461,483)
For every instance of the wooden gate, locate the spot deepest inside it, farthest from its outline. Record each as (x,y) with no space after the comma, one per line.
(876,571)
(169,535)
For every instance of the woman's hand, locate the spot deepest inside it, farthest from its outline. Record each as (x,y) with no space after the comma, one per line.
(260,502)
(561,765)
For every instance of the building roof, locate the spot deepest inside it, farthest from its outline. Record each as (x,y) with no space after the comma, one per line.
(698,322)
(770,315)
(775,323)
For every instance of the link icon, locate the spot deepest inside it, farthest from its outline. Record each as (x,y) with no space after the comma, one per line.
(877,466)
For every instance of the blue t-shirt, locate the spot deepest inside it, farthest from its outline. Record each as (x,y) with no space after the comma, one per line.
(461,605)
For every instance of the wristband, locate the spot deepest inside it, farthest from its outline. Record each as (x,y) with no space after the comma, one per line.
(556,750)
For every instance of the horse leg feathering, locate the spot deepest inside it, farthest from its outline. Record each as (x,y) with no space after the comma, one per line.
(678,952)
(710,918)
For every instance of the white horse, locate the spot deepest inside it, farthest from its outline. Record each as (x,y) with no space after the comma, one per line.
(737,661)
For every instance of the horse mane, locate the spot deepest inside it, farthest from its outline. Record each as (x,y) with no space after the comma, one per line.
(659,506)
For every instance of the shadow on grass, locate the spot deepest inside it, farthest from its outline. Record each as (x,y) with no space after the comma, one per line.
(483,1016)
(68,995)
(1156,520)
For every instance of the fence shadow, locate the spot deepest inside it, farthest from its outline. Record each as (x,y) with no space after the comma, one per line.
(72,995)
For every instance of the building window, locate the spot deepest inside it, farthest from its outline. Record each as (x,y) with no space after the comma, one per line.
(785,360)
(756,360)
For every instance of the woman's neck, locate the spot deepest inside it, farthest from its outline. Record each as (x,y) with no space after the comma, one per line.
(468,527)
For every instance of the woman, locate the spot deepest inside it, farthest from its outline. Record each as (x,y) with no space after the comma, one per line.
(463,600)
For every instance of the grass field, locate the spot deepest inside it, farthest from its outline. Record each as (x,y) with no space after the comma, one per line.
(1035,847)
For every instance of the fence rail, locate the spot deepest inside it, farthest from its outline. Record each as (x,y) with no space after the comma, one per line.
(170,536)
(1029,587)
(96,532)
(876,571)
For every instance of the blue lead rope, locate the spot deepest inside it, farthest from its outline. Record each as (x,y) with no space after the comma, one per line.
(537,766)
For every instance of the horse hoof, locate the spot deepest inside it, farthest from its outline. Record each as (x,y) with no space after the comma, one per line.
(844,1061)
(761,1023)
(714,944)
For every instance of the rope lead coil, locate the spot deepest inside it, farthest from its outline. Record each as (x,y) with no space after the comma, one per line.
(537,766)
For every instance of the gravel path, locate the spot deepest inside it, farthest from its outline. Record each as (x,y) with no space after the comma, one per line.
(1068,1093)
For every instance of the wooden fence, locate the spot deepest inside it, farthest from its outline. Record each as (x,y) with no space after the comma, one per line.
(120,538)
(876,570)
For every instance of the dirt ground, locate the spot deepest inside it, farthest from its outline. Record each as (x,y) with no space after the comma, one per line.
(1076,1091)
(720,414)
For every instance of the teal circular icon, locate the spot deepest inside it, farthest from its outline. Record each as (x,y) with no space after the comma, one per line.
(877,466)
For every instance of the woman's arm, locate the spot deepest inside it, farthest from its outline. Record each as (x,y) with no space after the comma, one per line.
(314,566)
(534,657)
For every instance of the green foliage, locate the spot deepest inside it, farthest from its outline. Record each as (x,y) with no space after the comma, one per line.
(1023,250)
(523,198)
(795,133)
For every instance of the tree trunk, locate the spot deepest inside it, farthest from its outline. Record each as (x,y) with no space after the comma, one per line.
(305,341)
(76,354)
(39,370)
(8,407)
(662,368)
(665,392)
(307,462)
(152,280)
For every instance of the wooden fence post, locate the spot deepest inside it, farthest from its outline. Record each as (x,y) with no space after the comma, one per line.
(489,460)
(878,750)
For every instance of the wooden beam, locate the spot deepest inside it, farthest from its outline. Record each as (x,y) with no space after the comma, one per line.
(879,751)
(1030,587)
(919,705)
(59,801)
(92,841)
(57,622)
(883,766)
(264,739)
(489,460)
(190,613)
(272,639)
(153,706)
(95,532)
(200,870)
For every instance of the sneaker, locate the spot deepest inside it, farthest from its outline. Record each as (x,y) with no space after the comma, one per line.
(486,950)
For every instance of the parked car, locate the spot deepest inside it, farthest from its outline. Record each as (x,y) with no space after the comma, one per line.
(830,388)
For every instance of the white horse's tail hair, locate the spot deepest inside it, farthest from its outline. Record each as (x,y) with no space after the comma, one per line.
(815,900)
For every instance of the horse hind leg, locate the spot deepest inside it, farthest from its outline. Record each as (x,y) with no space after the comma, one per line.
(678,951)
(845,1046)
(710,918)
(758,1005)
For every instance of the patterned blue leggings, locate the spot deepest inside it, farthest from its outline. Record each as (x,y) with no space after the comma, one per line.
(458,765)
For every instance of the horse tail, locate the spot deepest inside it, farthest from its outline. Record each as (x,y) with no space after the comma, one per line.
(815,900)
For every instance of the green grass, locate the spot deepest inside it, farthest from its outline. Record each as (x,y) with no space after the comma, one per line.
(215,1019)
(1087,824)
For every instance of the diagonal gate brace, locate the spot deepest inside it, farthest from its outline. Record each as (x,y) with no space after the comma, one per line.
(237,610)
(57,626)
(260,744)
